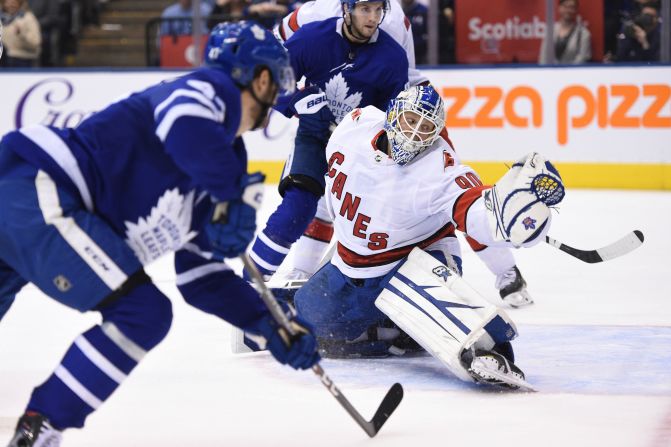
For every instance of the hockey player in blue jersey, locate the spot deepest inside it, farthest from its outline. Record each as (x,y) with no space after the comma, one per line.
(164,170)
(362,66)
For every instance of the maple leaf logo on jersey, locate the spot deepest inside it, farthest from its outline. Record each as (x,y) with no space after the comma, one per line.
(340,102)
(529,223)
(166,229)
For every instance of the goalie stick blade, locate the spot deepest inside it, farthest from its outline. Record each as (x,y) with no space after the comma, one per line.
(619,248)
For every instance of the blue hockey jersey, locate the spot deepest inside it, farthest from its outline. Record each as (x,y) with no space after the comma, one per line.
(151,166)
(148,155)
(351,75)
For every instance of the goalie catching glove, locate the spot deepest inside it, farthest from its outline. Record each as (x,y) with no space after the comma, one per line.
(298,351)
(233,223)
(518,206)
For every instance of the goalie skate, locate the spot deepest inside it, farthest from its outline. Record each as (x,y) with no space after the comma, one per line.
(513,288)
(494,369)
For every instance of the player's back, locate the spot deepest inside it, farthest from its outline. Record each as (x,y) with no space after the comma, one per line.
(129,154)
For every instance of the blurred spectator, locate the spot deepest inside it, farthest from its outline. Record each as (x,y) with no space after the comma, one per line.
(47,14)
(225,10)
(616,14)
(640,37)
(90,11)
(446,32)
(572,39)
(21,34)
(181,14)
(417,14)
(267,12)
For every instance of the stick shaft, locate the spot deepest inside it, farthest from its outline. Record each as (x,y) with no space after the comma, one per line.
(278,314)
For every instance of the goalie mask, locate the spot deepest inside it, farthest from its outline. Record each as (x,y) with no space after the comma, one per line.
(414,121)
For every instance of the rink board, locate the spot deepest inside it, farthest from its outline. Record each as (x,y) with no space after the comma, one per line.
(604,126)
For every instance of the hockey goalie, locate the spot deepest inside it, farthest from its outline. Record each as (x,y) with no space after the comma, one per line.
(397,193)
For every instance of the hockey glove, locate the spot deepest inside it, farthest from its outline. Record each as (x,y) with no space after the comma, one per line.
(233,223)
(298,351)
(518,206)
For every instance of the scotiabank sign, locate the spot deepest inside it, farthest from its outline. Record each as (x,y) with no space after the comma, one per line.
(512,30)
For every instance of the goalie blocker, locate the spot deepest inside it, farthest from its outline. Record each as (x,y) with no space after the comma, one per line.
(449,319)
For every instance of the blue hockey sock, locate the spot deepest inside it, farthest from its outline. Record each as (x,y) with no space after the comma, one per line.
(284,227)
(101,358)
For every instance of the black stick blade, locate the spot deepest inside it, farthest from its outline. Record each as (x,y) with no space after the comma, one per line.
(386,408)
(618,248)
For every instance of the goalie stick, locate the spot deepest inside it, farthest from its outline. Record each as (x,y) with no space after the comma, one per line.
(618,248)
(390,401)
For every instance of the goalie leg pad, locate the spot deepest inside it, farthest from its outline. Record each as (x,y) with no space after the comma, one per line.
(518,204)
(441,312)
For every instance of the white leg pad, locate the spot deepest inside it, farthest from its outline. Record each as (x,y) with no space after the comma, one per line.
(441,312)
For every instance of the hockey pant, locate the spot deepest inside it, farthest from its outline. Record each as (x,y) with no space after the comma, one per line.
(343,313)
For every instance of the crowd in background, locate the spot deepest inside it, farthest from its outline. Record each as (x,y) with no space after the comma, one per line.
(43,32)
(632,31)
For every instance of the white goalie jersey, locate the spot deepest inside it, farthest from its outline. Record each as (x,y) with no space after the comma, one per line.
(395,24)
(381,210)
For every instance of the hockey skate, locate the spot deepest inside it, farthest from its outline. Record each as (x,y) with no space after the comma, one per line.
(492,368)
(285,286)
(34,430)
(513,288)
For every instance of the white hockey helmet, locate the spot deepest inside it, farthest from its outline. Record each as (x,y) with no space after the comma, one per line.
(414,121)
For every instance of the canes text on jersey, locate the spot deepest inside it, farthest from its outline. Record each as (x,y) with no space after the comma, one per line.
(350,205)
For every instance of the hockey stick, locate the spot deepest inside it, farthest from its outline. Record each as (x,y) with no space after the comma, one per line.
(621,247)
(390,401)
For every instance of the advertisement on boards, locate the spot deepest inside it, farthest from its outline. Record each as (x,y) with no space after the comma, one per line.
(510,31)
(596,122)
(65,99)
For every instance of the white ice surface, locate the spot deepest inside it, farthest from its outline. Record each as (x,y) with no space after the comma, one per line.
(597,344)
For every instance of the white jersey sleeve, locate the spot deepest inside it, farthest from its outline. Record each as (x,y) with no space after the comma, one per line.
(395,24)
(382,210)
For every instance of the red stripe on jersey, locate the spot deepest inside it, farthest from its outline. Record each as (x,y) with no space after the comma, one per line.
(373,142)
(407,23)
(475,245)
(356,260)
(443,134)
(283,35)
(293,20)
(320,230)
(463,203)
